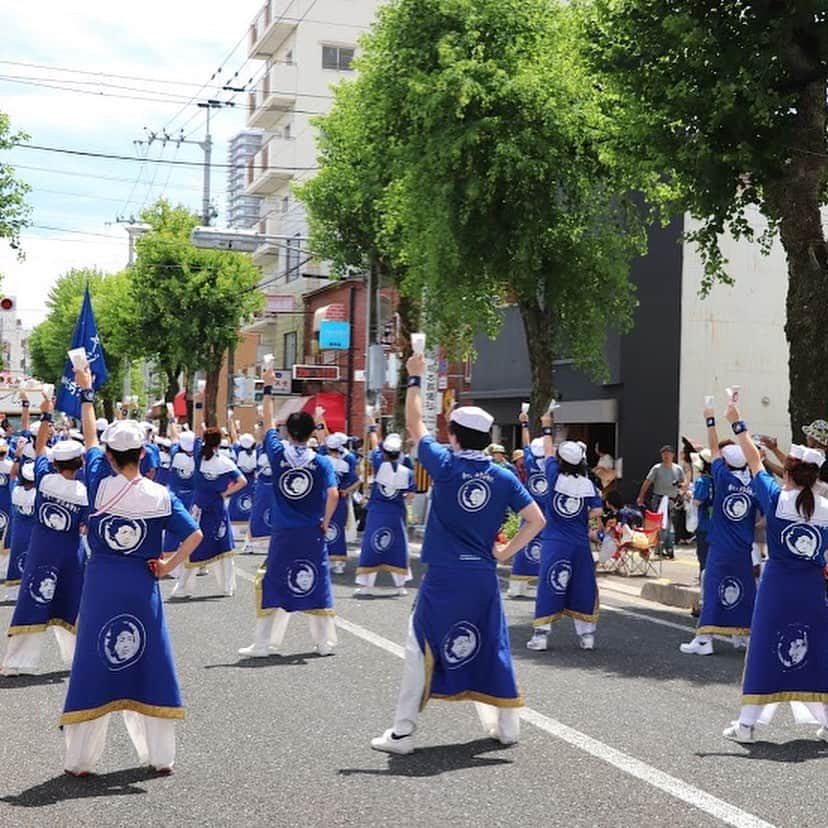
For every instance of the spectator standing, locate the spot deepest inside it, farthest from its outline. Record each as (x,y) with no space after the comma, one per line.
(667,481)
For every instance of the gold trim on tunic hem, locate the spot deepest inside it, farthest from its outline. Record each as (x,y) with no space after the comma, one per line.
(337,557)
(207,561)
(25,629)
(369,570)
(787,696)
(12,583)
(155,710)
(581,616)
(712,630)
(523,577)
(484,698)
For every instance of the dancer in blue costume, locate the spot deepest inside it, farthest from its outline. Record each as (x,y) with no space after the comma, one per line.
(216,478)
(787,658)
(347,482)
(23,521)
(123,660)
(52,578)
(262,511)
(567,585)
(458,642)
(151,460)
(526,563)
(296,577)
(385,540)
(182,478)
(6,466)
(241,503)
(162,473)
(729,584)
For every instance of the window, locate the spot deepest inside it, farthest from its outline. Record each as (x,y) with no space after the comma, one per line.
(292,262)
(285,205)
(337,57)
(289,342)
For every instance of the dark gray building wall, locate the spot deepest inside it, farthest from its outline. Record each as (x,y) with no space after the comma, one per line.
(643,364)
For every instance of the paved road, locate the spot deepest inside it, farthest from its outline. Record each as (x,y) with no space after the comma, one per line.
(626,735)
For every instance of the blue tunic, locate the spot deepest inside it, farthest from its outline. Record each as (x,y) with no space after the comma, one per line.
(296,575)
(385,541)
(241,503)
(123,658)
(151,459)
(526,563)
(162,473)
(53,573)
(260,514)
(5,501)
(181,483)
(788,655)
(345,478)
(729,586)
(23,521)
(458,618)
(567,585)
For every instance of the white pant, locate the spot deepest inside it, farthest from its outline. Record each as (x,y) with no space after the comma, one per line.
(23,651)
(804,713)
(581,627)
(11,593)
(153,738)
(370,578)
(501,721)
(224,569)
(270,630)
(518,587)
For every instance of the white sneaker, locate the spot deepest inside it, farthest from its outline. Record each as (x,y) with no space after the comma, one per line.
(254,652)
(324,649)
(177,592)
(740,642)
(822,733)
(494,733)
(361,591)
(538,642)
(402,591)
(388,744)
(338,568)
(587,641)
(202,570)
(696,647)
(229,593)
(737,732)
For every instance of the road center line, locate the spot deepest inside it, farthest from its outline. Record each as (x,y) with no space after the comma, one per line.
(703,801)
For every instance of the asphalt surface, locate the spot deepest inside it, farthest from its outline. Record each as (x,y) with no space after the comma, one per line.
(628,735)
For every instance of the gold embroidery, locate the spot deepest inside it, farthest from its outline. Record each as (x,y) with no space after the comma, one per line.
(711,630)
(35,628)
(159,712)
(368,570)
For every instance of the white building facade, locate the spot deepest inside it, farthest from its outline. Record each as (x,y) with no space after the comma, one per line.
(243,210)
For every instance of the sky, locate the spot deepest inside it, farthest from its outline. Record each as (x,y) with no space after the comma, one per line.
(174,47)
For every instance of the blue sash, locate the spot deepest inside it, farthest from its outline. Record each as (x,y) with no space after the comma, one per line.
(461,629)
(337,546)
(788,655)
(218,538)
(729,591)
(51,583)
(385,542)
(296,576)
(241,503)
(566,584)
(123,658)
(260,514)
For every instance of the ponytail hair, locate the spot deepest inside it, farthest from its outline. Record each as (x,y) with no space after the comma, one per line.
(804,475)
(211,442)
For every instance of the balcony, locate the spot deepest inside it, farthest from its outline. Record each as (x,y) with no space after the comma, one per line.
(271,167)
(274,96)
(266,255)
(272,26)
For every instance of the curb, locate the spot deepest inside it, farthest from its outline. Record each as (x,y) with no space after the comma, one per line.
(673,595)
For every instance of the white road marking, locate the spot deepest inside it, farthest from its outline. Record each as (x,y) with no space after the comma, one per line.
(677,788)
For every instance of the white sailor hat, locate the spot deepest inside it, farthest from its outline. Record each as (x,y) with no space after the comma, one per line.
(571,452)
(164,442)
(100,424)
(147,426)
(537,447)
(29,450)
(247,441)
(186,440)
(807,455)
(734,456)
(470,416)
(225,443)
(74,434)
(124,435)
(34,427)
(336,440)
(66,450)
(392,444)
(27,471)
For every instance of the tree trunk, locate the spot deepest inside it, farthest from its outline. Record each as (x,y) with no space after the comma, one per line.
(211,395)
(538,325)
(794,199)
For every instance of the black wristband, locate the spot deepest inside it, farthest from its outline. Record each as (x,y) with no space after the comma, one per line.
(372,429)
(320,427)
(739,427)
(87,395)
(548,431)
(46,417)
(24,403)
(710,422)
(524,425)
(415,382)
(199,406)
(268,391)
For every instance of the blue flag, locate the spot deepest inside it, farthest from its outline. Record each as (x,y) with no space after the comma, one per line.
(86,336)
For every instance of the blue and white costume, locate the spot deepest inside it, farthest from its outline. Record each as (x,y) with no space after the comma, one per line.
(526,563)
(217,548)
(346,477)
(385,540)
(787,660)
(52,578)
(296,577)
(123,659)
(162,473)
(182,481)
(261,513)
(567,585)
(241,502)
(151,460)
(23,521)
(6,466)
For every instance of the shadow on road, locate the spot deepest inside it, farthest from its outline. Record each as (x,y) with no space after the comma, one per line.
(437,760)
(196,599)
(64,787)
(796,751)
(40,680)
(275,660)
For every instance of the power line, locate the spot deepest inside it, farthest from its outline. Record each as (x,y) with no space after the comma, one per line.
(76,232)
(99,83)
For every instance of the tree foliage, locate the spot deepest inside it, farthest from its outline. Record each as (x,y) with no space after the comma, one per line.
(718,107)
(191,302)
(14,212)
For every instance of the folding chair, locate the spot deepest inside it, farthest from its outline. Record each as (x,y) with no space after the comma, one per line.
(637,548)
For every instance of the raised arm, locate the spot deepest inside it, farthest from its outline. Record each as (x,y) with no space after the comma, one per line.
(413,400)
(231,427)
(24,411)
(743,438)
(712,433)
(547,422)
(268,378)
(46,407)
(525,430)
(83,378)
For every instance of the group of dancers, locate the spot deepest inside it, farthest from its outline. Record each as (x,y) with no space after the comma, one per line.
(102,532)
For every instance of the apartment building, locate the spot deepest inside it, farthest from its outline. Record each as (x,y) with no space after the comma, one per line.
(242,210)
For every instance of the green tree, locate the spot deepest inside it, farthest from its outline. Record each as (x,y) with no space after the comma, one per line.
(485,178)
(111,301)
(719,107)
(14,212)
(190,303)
